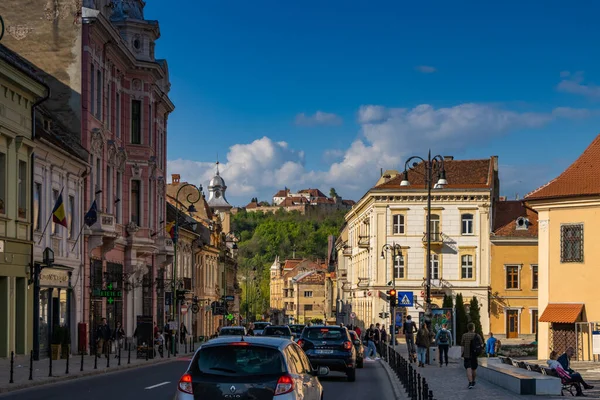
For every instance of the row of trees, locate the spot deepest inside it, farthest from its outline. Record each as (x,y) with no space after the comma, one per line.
(462,318)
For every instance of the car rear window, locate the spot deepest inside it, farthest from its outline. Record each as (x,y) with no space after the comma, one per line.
(260,325)
(230,331)
(282,331)
(324,334)
(240,360)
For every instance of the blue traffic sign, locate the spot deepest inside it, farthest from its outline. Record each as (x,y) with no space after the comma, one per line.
(405,299)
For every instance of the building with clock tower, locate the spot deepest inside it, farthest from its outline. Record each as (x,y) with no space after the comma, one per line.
(216,196)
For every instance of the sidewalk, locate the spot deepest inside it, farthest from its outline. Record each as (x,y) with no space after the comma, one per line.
(451,382)
(41,368)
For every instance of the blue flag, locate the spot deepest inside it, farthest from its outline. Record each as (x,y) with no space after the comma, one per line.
(92,215)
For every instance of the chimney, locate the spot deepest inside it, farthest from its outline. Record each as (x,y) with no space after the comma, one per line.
(175,178)
(380,171)
(448,158)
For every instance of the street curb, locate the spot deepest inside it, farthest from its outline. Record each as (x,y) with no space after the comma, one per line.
(85,374)
(397,387)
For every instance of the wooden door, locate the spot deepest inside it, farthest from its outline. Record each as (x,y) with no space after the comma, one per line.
(512,324)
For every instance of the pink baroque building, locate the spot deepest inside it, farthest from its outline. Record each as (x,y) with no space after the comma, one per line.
(124,127)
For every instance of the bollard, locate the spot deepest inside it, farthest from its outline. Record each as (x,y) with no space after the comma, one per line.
(95,360)
(168,351)
(31,365)
(67,368)
(186,343)
(50,368)
(192,344)
(147,352)
(129,354)
(12,366)
(430,397)
(81,367)
(108,358)
(119,355)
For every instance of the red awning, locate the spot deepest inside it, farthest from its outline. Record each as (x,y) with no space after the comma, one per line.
(562,313)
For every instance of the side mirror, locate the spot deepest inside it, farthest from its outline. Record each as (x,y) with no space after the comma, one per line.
(356,342)
(323,371)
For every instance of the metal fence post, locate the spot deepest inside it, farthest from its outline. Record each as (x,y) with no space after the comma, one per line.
(81,367)
(31,365)
(12,366)
(95,360)
(129,353)
(67,368)
(50,366)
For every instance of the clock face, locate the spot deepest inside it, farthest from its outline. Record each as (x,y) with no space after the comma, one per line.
(217,193)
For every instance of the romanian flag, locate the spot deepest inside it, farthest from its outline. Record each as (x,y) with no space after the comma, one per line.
(171,229)
(59,216)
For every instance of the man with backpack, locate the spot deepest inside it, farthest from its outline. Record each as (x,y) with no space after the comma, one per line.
(472,346)
(443,339)
(409,329)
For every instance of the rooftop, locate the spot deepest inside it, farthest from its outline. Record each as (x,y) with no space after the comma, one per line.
(582,178)
(506,218)
(461,174)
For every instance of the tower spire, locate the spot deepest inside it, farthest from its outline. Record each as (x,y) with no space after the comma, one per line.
(217,163)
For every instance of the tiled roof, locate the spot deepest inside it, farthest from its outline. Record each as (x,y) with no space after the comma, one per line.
(293,201)
(282,193)
(460,174)
(348,202)
(290,264)
(506,214)
(313,192)
(562,313)
(252,204)
(582,178)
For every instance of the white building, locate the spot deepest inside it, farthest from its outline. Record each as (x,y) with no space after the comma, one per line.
(393,214)
(59,166)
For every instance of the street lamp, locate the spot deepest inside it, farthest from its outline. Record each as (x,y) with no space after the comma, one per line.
(433,166)
(396,250)
(191,199)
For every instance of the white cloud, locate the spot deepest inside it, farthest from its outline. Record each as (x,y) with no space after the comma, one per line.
(318,118)
(574,83)
(387,136)
(426,69)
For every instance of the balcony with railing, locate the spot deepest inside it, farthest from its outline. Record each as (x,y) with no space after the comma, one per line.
(364,242)
(436,238)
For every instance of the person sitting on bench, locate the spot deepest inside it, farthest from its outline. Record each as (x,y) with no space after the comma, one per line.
(565,360)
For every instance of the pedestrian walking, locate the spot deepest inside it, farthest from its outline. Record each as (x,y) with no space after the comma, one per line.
(103,334)
(472,346)
(370,338)
(423,343)
(443,339)
(182,333)
(490,346)
(384,339)
(378,338)
(118,337)
(409,328)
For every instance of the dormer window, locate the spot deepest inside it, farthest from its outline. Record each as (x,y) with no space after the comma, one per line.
(522,223)
(136,44)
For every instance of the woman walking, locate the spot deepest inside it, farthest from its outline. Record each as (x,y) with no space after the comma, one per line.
(423,342)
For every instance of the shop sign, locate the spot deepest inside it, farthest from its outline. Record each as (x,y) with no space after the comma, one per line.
(54,278)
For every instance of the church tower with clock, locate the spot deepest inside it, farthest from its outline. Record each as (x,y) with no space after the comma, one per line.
(216,194)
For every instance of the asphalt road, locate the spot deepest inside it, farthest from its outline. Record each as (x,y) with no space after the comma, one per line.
(158,382)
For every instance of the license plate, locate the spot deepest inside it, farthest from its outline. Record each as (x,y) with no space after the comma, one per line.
(324,351)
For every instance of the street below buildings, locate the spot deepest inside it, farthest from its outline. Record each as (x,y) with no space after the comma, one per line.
(159,382)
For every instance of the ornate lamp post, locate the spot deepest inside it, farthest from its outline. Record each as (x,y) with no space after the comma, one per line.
(396,250)
(433,166)
(191,199)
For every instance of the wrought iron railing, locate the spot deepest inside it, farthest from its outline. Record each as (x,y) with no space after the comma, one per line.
(414,384)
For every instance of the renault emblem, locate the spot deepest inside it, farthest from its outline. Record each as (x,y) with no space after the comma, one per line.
(232,389)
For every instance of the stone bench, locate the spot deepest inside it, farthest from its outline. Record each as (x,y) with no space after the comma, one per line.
(517,380)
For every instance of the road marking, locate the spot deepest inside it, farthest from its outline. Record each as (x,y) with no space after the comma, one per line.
(155,386)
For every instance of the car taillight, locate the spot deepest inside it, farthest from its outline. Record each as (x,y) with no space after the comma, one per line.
(301,343)
(185,384)
(347,345)
(285,384)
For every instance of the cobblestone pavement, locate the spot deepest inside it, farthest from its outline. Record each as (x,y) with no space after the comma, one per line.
(41,368)
(451,383)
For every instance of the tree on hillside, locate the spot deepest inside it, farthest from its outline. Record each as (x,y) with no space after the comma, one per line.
(333,193)
(475,316)
(461,318)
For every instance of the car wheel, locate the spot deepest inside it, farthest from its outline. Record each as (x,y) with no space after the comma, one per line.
(351,374)
(360,363)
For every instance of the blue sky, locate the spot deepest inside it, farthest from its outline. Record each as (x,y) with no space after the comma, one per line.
(321,94)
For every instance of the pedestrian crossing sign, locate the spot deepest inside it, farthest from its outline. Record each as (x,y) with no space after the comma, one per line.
(405,299)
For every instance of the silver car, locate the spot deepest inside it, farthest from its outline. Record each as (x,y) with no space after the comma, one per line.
(250,367)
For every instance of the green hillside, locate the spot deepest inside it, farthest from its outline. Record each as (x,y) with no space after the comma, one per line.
(265,236)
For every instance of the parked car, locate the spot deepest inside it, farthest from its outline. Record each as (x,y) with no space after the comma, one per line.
(330,346)
(252,367)
(297,330)
(282,331)
(360,349)
(233,331)
(259,327)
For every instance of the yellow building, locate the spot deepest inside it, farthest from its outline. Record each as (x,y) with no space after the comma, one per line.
(568,210)
(514,277)
(21,90)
